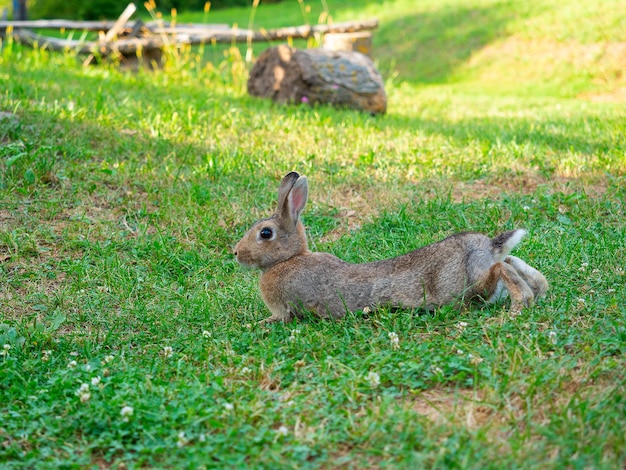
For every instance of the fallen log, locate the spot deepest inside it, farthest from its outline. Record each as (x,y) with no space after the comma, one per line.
(123,46)
(62,24)
(193,36)
(198,35)
(152,26)
(31,39)
(341,78)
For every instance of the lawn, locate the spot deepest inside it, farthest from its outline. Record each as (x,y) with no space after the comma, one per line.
(128,332)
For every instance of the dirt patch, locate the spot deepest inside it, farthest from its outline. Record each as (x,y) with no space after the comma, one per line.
(465,407)
(498,415)
(616,96)
(524,184)
(23,298)
(360,204)
(355,205)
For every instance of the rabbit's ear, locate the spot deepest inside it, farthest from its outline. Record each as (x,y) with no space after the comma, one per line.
(283,191)
(297,198)
(292,196)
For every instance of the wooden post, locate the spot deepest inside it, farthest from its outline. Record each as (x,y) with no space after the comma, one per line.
(19,10)
(357,42)
(116,29)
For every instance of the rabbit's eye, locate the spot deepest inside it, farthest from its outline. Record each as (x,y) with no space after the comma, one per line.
(266,233)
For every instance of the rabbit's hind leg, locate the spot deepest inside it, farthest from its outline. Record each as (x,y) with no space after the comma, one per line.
(503,275)
(535,280)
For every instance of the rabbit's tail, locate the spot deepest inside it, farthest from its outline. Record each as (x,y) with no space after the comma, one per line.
(502,245)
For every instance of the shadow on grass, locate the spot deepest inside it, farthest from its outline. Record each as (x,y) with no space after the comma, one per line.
(221,153)
(589,134)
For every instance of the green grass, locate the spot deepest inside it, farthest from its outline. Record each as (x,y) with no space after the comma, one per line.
(122,194)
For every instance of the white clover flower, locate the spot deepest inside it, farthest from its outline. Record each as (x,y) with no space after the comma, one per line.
(374,379)
(72,364)
(202,438)
(206,334)
(552,336)
(475,360)
(525,208)
(95,381)
(182,440)
(126,412)
(462,324)
(87,367)
(282,431)
(168,351)
(583,266)
(229,406)
(83,392)
(245,370)
(460,352)
(74,354)
(5,350)
(393,339)
(45,355)
(437,370)
(108,358)
(367,309)
(581,301)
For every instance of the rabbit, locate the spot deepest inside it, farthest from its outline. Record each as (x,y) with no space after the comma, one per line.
(462,267)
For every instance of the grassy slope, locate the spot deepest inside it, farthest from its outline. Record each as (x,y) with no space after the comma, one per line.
(574,46)
(122,194)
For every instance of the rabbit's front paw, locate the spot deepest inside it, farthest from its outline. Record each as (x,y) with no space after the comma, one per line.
(276,319)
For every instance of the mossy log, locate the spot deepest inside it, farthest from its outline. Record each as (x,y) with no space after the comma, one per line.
(342,78)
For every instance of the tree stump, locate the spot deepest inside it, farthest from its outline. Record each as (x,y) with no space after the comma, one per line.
(360,41)
(341,78)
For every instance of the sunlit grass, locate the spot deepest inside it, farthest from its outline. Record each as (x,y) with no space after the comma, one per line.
(130,331)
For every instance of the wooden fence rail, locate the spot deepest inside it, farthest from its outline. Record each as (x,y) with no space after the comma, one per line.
(128,37)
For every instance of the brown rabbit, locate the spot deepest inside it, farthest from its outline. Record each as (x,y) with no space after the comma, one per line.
(461,267)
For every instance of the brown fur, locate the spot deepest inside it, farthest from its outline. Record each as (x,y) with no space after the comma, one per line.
(461,267)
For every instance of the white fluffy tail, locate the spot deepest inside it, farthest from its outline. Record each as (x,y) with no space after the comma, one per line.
(502,245)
